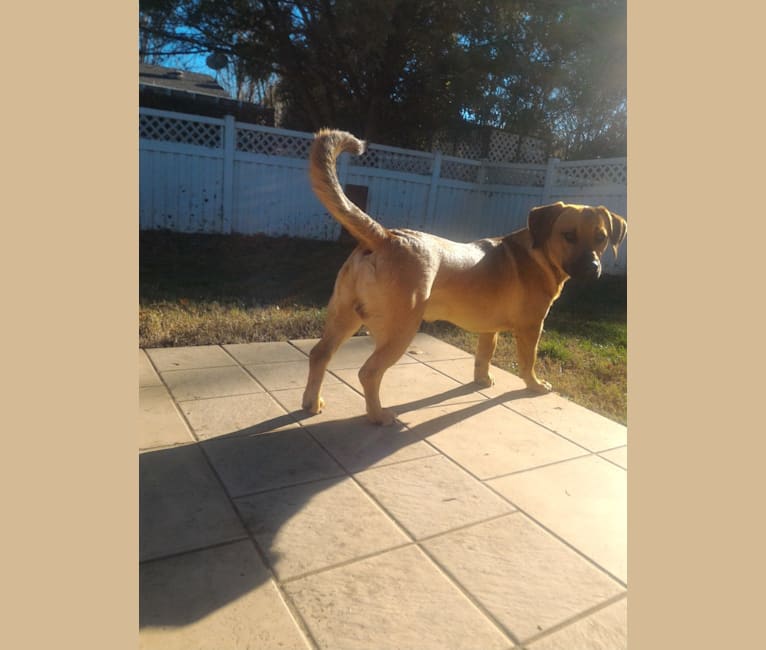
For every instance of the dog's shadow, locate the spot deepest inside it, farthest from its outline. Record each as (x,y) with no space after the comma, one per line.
(474,407)
(184,493)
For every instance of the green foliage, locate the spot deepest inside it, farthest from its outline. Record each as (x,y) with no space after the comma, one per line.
(398,72)
(553,348)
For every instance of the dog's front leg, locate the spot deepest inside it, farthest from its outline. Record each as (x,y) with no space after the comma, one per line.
(527,338)
(484,352)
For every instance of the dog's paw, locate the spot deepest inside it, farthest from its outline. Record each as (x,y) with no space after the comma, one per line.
(313,406)
(485,382)
(540,387)
(385,418)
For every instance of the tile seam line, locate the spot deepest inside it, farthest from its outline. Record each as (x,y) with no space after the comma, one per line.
(268,490)
(451,580)
(411,536)
(614,462)
(462,527)
(435,452)
(561,435)
(438,452)
(425,440)
(243,367)
(397,462)
(469,471)
(283,594)
(543,466)
(412,540)
(547,428)
(448,459)
(289,604)
(389,549)
(267,363)
(293,610)
(357,483)
(576,619)
(561,539)
(606,451)
(471,598)
(360,392)
(349,472)
(195,549)
(204,399)
(174,402)
(609,460)
(389,515)
(196,368)
(504,404)
(415,542)
(177,403)
(352,367)
(290,342)
(214,367)
(340,565)
(143,450)
(510,408)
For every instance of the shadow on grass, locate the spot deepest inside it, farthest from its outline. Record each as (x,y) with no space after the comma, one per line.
(237,269)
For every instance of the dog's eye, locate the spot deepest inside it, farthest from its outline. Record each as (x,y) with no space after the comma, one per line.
(600,237)
(571,237)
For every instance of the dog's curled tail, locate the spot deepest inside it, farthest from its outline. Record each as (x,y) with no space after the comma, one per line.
(325,149)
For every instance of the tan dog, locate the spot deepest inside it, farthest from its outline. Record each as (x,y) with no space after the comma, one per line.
(397,278)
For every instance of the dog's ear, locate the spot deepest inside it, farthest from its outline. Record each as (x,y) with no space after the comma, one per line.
(618,227)
(541,220)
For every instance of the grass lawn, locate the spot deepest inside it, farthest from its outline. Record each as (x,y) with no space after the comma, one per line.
(216,289)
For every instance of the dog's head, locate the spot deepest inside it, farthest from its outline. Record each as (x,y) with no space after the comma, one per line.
(576,236)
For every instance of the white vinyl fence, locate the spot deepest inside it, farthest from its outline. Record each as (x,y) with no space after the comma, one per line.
(200,174)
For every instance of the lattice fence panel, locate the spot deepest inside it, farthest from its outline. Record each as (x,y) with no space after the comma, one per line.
(587,174)
(393,161)
(470,150)
(529,177)
(458,171)
(170,129)
(532,150)
(503,147)
(273,144)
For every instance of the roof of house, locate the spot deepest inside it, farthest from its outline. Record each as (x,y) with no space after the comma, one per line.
(179,80)
(170,89)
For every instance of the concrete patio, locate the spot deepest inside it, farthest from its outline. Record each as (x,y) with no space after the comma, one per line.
(485,518)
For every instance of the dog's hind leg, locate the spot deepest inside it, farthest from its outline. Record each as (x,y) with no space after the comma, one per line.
(341,324)
(391,341)
(484,352)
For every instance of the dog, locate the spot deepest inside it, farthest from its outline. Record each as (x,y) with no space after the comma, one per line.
(397,278)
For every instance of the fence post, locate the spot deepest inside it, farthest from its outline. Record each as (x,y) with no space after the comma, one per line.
(482,179)
(550,179)
(433,188)
(229,148)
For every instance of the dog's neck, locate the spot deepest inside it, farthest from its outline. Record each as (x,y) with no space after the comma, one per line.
(554,276)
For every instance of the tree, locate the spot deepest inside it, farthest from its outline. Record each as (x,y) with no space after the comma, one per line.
(397,71)
(160,22)
(555,70)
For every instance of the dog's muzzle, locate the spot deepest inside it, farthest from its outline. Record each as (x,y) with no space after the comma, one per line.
(586,267)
